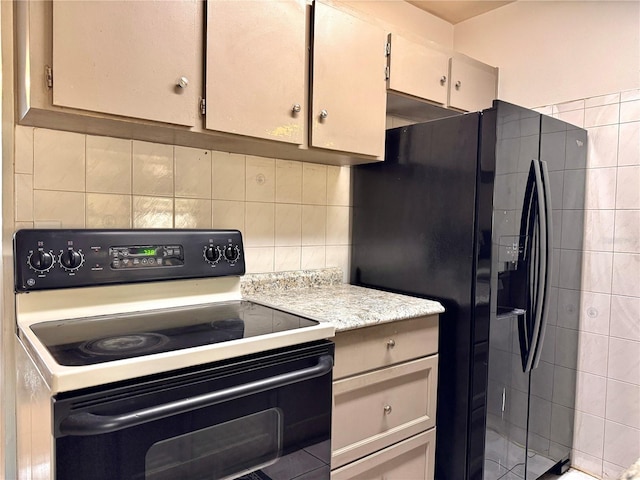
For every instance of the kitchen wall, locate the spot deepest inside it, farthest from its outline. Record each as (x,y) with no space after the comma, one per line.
(293,215)
(606,312)
(554,51)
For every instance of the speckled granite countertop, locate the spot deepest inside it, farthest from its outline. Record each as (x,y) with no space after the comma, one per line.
(632,473)
(321,295)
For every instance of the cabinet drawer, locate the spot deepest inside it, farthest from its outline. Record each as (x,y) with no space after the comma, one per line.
(369,348)
(413,459)
(373,410)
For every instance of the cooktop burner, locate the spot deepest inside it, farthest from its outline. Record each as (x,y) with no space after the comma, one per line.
(130,344)
(91,340)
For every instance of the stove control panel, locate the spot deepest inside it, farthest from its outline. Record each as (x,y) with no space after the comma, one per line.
(47,259)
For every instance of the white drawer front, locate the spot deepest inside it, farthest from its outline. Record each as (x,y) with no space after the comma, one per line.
(376,409)
(382,345)
(413,459)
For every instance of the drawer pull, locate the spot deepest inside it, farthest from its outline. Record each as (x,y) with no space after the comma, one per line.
(391,343)
(387,409)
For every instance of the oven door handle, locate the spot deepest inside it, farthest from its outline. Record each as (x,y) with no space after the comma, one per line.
(86,423)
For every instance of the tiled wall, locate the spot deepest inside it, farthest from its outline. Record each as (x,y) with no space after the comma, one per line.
(293,215)
(607,420)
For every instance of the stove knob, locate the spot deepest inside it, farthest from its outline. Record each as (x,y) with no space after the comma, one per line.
(212,254)
(71,259)
(40,261)
(232,253)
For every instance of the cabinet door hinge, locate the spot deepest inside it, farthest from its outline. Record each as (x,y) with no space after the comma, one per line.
(387,49)
(48,73)
(203,106)
(387,73)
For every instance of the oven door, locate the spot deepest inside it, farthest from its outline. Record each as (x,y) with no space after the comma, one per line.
(261,417)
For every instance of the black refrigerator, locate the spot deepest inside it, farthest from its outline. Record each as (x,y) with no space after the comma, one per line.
(484,212)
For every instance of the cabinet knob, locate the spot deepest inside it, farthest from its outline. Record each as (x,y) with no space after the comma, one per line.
(324,114)
(391,343)
(182,82)
(387,409)
(443,79)
(458,85)
(296,108)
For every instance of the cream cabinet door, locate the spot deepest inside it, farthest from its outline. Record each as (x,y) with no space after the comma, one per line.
(128,58)
(418,70)
(474,86)
(255,68)
(348,83)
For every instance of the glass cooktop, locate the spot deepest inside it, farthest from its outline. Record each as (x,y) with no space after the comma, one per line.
(91,340)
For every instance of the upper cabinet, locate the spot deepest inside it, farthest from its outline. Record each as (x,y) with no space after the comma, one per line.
(134,59)
(429,73)
(474,85)
(418,70)
(348,83)
(255,68)
(291,79)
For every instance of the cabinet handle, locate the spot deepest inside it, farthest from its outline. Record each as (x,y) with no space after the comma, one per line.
(387,409)
(324,114)
(391,343)
(296,108)
(443,79)
(182,82)
(458,85)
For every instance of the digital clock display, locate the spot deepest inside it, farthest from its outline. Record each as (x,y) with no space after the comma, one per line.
(143,251)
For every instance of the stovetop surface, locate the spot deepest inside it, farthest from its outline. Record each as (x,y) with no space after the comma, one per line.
(100,339)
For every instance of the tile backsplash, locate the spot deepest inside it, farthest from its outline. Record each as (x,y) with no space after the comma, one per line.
(293,215)
(607,309)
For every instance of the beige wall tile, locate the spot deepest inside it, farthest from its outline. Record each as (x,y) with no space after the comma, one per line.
(623,403)
(338,256)
(313,257)
(568,106)
(628,188)
(314,225)
(338,225)
(259,259)
(603,146)
(259,230)
(590,393)
(63,208)
(260,179)
(629,95)
(601,188)
(630,111)
(626,274)
(627,231)
(624,360)
(22,225)
(339,186)
(152,169)
(604,115)
(192,172)
(287,258)
(23,197)
(621,444)
(192,213)
(589,434)
(23,147)
(625,312)
(574,117)
(227,214)
(228,176)
(602,100)
(288,181)
(108,165)
(58,160)
(629,144)
(597,272)
(288,225)
(593,352)
(108,211)
(152,212)
(314,184)
(595,312)
(597,230)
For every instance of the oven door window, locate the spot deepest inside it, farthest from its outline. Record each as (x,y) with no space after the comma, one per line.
(223,451)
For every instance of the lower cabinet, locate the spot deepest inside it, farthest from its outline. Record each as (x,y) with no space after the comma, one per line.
(384,395)
(410,459)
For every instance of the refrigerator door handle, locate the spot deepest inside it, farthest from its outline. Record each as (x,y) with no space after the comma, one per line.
(539,265)
(547,246)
